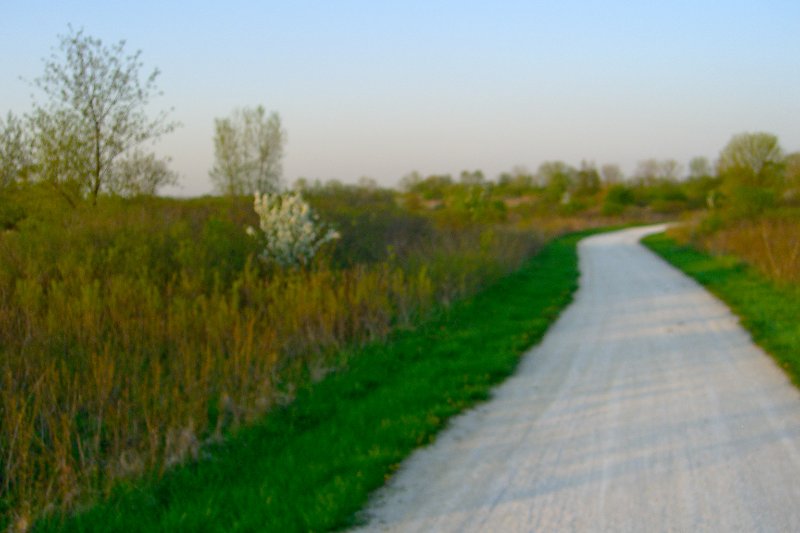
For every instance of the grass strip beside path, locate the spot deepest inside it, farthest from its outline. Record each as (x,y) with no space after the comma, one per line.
(312,465)
(769,311)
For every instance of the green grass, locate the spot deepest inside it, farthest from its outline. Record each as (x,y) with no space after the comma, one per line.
(769,311)
(312,465)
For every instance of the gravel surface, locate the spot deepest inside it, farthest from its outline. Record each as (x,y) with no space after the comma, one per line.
(645,408)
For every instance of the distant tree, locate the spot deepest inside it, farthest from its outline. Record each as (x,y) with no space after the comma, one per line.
(751,168)
(248,152)
(611,173)
(96,111)
(301,184)
(652,170)
(367,183)
(699,167)
(617,198)
(791,165)
(753,157)
(141,174)
(669,169)
(587,179)
(434,187)
(647,170)
(15,155)
(472,178)
(518,182)
(558,178)
(409,181)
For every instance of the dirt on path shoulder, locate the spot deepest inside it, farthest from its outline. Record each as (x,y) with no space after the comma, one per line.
(645,408)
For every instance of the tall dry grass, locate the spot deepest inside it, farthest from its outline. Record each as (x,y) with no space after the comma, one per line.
(132,335)
(769,243)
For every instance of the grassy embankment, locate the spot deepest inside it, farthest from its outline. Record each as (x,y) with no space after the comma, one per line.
(310,466)
(768,309)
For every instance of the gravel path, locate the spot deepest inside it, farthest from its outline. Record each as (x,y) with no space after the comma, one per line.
(645,408)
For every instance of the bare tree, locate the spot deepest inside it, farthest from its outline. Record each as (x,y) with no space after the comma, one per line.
(699,167)
(611,173)
(248,152)
(15,156)
(472,178)
(647,170)
(141,174)
(97,100)
(651,170)
(669,169)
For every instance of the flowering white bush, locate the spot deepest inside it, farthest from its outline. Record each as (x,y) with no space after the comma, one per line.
(292,232)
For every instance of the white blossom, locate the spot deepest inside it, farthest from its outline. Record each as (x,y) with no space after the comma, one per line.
(292,232)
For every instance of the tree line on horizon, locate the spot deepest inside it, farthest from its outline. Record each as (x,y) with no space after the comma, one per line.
(92,136)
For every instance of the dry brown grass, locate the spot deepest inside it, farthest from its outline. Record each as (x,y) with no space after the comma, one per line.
(771,244)
(108,373)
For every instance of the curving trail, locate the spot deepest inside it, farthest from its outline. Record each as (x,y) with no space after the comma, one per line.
(645,408)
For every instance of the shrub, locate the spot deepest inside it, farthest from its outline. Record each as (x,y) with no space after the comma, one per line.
(292,234)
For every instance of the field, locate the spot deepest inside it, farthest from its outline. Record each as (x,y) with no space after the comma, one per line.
(311,465)
(141,336)
(134,332)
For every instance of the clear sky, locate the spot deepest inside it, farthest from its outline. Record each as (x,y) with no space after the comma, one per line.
(380,88)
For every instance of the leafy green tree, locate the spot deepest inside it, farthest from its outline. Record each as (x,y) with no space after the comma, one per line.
(587,180)
(618,197)
(516,183)
(558,179)
(95,114)
(751,168)
(248,152)
(433,187)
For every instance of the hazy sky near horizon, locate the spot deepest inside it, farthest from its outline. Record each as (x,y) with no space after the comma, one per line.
(381,88)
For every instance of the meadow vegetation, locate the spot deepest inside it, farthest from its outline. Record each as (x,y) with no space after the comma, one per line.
(312,464)
(755,212)
(138,331)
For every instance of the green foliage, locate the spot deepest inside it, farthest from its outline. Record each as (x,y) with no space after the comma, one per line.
(88,135)
(558,179)
(617,198)
(311,466)
(433,187)
(700,191)
(135,330)
(751,168)
(11,211)
(372,225)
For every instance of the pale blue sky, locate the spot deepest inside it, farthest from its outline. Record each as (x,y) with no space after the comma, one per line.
(380,88)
